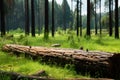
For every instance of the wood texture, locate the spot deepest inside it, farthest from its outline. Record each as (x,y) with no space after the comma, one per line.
(97,63)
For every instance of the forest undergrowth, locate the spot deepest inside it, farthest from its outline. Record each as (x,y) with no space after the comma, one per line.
(9,62)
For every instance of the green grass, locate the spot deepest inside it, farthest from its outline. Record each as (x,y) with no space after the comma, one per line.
(104,43)
(25,66)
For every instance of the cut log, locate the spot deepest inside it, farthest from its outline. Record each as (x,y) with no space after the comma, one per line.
(97,64)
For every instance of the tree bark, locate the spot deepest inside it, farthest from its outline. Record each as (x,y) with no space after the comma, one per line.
(64,16)
(105,64)
(80,17)
(39,18)
(110,18)
(46,31)
(53,26)
(27,17)
(100,18)
(116,20)
(32,18)
(77,26)
(96,32)
(88,17)
(3,32)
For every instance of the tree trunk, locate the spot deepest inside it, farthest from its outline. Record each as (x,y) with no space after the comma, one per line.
(77,26)
(3,32)
(96,18)
(110,18)
(100,18)
(80,17)
(39,17)
(116,20)
(53,26)
(88,17)
(27,17)
(46,31)
(32,18)
(64,16)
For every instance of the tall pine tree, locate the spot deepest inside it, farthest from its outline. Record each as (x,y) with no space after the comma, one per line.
(2,12)
(26,17)
(96,27)
(88,17)
(53,26)
(77,26)
(116,20)
(80,17)
(100,18)
(46,31)
(32,18)
(110,18)
(66,14)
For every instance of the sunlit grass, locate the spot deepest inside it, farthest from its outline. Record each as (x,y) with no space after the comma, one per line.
(28,67)
(68,40)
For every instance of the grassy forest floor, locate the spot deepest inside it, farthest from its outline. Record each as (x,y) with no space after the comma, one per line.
(68,40)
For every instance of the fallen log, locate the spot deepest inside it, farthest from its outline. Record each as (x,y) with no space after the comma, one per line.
(17,76)
(97,64)
(90,79)
(40,73)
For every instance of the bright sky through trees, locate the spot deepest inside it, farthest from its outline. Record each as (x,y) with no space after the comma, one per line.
(84,6)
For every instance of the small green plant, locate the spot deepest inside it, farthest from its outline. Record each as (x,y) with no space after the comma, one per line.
(18,30)
(46,36)
(72,41)
(60,31)
(87,37)
(68,31)
(21,37)
(26,42)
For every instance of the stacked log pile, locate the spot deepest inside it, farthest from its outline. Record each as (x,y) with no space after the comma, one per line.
(97,64)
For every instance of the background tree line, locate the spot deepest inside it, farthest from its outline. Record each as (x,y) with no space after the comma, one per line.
(32,15)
